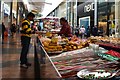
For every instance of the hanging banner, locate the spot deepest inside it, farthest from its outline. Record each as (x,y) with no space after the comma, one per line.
(6,9)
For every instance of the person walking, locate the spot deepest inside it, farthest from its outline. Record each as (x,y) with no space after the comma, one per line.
(3,30)
(13,29)
(88,32)
(82,29)
(95,31)
(77,31)
(26,33)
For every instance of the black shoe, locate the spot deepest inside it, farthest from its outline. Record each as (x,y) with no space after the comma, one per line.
(28,64)
(23,66)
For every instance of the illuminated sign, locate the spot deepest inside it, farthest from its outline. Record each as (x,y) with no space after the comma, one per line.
(89,7)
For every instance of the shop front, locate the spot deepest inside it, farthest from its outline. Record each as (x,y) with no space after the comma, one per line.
(85,14)
(105,12)
(106,17)
(67,59)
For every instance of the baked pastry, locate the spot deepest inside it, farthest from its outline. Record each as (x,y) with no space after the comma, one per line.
(46,44)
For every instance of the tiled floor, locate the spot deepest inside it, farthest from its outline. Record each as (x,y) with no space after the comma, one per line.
(11,49)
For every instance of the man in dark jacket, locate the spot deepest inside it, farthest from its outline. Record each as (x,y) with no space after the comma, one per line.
(77,31)
(26,33)
(3,30)
(95,31)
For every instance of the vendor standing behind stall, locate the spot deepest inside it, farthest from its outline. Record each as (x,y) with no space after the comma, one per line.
(65,28)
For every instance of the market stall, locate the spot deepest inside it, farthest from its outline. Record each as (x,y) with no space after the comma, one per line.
(58,44)
(76,57)
(108,43)
(70,63)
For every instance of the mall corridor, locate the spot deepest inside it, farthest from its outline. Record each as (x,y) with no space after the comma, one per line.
(11,49)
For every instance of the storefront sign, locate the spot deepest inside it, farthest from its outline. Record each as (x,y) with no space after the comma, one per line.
(89,7)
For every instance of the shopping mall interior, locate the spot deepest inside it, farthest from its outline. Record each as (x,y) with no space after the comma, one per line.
(90,52)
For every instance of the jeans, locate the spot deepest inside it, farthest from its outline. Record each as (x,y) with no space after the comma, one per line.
(25,42)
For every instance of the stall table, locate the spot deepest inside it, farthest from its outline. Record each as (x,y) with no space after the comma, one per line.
(109,46)
(67,64)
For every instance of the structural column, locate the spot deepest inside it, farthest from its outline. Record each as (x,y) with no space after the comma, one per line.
(0,11)
(1,15)
(11,15)
(72,13)
(95,12)
(1,39)
(76,13)
(67,9)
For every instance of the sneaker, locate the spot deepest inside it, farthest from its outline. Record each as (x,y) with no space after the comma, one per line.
(28,64)
(24,66)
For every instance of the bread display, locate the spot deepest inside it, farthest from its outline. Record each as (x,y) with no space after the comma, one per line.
(106,39)
(63,44)
(53,48)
